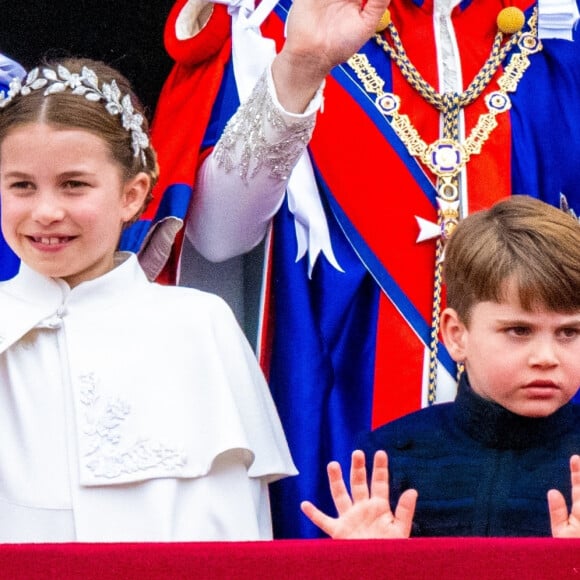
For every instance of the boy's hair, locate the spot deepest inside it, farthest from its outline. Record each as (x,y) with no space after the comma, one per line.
(72,110)
(521,239)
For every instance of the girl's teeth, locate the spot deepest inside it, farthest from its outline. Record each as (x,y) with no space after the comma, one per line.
(51,241)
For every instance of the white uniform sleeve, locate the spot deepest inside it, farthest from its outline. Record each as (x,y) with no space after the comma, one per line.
(241,185)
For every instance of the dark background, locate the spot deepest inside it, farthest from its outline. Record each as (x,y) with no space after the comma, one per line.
(127,34)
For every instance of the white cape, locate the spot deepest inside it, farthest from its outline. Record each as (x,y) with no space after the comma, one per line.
(131,411)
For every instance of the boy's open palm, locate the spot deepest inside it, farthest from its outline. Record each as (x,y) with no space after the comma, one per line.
(564,524)
(364,515)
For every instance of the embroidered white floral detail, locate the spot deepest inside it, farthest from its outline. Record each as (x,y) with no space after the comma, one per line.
(108,455)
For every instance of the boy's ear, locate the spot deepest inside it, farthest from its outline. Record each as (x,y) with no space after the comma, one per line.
(134,193)
(454,333)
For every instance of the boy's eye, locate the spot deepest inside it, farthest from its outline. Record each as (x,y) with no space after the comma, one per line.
(518,330)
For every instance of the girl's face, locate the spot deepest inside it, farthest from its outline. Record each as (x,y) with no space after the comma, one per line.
(64,201)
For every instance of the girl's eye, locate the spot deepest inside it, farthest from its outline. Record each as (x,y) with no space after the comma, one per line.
(20,185)
(74,187)
(74,184)
(568,333)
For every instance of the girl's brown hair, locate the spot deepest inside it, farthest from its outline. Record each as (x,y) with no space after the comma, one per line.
(67,110)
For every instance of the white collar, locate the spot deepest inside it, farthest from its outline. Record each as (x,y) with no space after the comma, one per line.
(31,299)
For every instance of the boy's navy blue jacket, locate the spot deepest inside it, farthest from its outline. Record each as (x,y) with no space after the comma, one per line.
(479,469)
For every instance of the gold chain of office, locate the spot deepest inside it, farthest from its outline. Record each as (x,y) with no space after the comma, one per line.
(446,157)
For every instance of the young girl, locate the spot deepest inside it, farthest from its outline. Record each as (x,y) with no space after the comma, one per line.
(103,438)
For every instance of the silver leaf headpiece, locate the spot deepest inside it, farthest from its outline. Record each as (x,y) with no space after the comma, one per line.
(85,84)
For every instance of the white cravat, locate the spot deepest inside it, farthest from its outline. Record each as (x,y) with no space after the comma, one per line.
(557,18)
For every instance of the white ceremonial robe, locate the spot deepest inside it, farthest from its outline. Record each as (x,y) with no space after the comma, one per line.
(131,411)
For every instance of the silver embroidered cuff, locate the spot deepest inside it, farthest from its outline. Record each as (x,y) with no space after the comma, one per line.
(258,137)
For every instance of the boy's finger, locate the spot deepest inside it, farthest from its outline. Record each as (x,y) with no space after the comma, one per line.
(318,518)
(358,477)
(406,510)
(380,477)
(338,490)
(575,479)
(558,511)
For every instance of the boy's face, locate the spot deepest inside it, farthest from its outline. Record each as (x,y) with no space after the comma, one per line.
(63,201)
(528,362)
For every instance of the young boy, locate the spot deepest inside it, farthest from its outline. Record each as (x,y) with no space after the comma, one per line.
(484,464)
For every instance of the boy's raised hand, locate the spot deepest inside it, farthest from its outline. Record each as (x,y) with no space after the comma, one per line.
(564,524)
(364,515)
